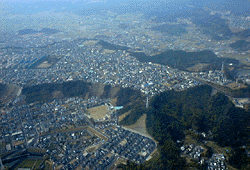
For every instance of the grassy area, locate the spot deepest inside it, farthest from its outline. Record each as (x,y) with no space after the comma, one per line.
(235,86)
(29,163)
(124,115)
(140,125)
(218,149)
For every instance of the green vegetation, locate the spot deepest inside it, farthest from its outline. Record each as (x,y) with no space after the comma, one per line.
(127,96)
(183,60)
(214,26)
(195,108)
(2,90)
(171,113)
(171,29)
(243,34)
(30,163)
(137,110)
(241,45)
(43,92)
(239,159)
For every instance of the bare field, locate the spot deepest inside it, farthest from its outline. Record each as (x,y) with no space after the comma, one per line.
(45,64)
(90,43)
(198,67)
(235,86)
(113,101)
(242,58)
(105,51)
(140,125)
(98,112)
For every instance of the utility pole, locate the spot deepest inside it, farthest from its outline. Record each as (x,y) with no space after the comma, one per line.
(147,102)
(1,165)
(222,67)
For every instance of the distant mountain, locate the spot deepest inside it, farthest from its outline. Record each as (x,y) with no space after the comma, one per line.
(214,26)
(27,31)
(243,34)
(241,45)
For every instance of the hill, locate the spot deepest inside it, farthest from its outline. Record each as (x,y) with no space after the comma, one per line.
(241,45)
(214,26)
(171,113)
(183,60)
(243,34)
(49,91)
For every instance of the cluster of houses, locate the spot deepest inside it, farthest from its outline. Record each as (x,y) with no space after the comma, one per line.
(71,139)
(129,145)
(217,162)
(193,151)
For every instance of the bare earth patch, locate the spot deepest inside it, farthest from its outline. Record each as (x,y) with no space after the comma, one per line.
(98,112)
(140,125)
(235,86)
(198,67)
(45,64)
(90,43)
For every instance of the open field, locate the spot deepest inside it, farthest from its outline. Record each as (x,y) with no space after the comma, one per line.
(106,51)
(30,163)
(90,43)
(98,112)
(198,67)
(235,86)
(45,64)
(140,125)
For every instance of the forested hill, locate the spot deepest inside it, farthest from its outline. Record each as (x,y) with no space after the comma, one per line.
(241,45)
(171,113)
(2,89)
(183,60)
(48,91)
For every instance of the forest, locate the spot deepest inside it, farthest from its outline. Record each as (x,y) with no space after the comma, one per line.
(45,92)
(183,60)
(172,112)
(241,45)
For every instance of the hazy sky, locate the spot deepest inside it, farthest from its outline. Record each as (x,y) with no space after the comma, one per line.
(33,6)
